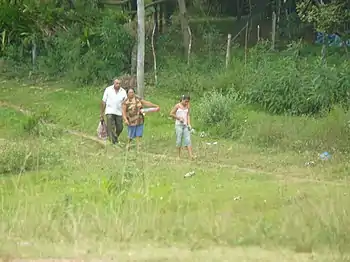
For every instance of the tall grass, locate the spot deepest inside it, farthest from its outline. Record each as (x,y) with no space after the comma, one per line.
(63,206)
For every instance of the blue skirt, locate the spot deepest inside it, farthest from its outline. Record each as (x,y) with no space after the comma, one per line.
(135,131)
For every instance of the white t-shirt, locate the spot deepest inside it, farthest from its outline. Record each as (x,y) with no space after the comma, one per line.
(114,100)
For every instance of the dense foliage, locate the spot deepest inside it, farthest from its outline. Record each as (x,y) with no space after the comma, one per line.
(84,44)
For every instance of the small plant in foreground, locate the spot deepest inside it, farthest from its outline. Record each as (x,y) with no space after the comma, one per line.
(19,157)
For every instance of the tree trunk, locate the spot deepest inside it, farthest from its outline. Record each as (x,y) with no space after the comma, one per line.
(250,21)
(273,33)
(134,59)
(324,48)
(278,18)
(228,50)
(161,18)
(184,25)
(155,18)
(239,11)
(34,52)
(140,47)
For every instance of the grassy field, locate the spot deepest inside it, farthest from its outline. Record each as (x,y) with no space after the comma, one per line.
(69,196)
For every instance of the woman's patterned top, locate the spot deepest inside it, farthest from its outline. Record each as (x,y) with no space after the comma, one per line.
(133,114)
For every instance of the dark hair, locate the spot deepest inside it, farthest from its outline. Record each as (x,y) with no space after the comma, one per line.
(185,97)
(133,89)
(130,88)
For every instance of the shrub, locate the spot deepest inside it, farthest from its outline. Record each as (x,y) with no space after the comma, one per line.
(38,125)
(219,113)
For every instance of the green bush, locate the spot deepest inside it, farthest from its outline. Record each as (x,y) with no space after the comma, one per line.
(215,108)
(221,114)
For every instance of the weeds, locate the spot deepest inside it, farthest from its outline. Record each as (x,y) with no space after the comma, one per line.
(20,157)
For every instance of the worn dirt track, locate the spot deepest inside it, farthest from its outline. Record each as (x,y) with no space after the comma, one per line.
(216,254)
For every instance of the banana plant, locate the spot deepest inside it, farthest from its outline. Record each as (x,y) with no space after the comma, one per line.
(86,37)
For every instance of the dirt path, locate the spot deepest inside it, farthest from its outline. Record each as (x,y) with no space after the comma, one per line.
(288,178)
(172,254)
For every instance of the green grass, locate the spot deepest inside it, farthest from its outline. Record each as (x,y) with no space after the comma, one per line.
(11,122)
(65,195)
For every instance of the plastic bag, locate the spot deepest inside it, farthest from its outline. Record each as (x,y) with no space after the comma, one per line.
(149,110)
(102,130)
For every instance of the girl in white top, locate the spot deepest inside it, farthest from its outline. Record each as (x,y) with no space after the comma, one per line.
(181,114)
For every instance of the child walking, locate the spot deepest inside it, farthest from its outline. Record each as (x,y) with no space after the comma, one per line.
(181,114)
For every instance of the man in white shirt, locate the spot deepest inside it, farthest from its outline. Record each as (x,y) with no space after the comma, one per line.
(111,107)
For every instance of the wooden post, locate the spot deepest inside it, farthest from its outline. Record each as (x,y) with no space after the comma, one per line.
(228,49)
(258,33)
(273,33)
(140,48)
(189,45)
(246,44)
(34,52)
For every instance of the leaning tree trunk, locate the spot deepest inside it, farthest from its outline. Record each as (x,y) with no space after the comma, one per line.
(140,47)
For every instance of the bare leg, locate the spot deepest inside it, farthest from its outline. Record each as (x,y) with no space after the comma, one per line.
(179,133)
(190,153)
(138,143)
(187,142)
(139,134)
(179,152)
(128,144)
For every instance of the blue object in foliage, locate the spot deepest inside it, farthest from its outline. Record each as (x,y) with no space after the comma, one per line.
(325,156)
(333,39)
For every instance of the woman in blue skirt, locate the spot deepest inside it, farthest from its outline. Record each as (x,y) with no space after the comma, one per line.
(133,117)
